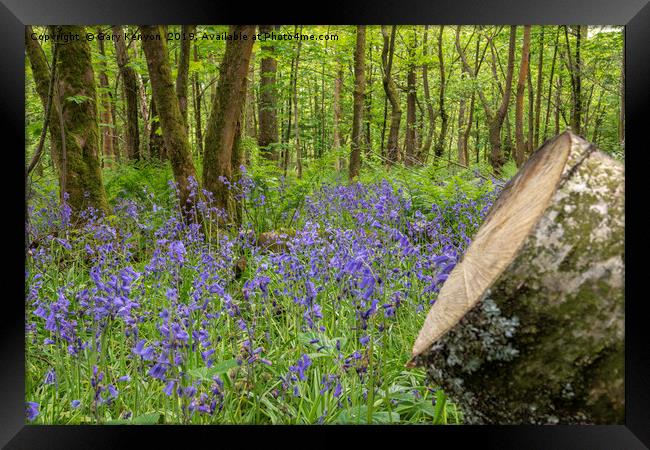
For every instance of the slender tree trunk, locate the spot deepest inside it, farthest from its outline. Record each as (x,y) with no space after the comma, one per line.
(226,112)
(41,73)
(82,179)
(575,69)
(171,121)
(144,107)
(367,117)
(444,117)
(426,145)
(296,124)
(105,115)
(520,151)
(392,151)
(558,99)
(538,97)
(531,111)
(336,106)
(409,140)
(286,153)
(357,115)
(183,70)
(494,119)
(268,135)
(550,83)
(197,104)
(250,115)
(130,88)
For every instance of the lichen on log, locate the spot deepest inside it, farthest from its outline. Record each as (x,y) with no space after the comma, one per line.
(529,327)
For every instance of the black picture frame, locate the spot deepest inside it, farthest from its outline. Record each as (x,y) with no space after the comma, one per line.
(14,14)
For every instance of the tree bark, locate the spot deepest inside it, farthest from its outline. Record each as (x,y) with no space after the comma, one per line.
(336,106)
(182,74)
(411,93)
(357,115)
(197,104)
(538,97)
(426,145)
(575,69)
(528,327)
(392,150)
(105,115)
(77,103)
(225,114)
(444,117)
(520,150)
(550,84)
(171,121)
(130,89)
(296,124)
(268,122)
(41,73)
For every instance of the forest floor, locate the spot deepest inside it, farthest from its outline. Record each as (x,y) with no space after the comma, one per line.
(138,317)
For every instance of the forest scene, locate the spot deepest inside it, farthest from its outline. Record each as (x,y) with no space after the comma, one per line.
(248,224)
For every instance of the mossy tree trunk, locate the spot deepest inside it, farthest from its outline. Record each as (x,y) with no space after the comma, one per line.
(41,73)
(130,85)
(528,328)
(169,113)
(183,72)
(224,117)
(106,114)
(81,176)
(357,114)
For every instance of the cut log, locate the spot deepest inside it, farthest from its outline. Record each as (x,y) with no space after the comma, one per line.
(529,326)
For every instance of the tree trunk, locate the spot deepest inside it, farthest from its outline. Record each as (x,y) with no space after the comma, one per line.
(336,106)
(197,104)
(494,119)
(575,70)
(296,124)
(171,121)
(392,150)
(538,97)
(268,122)
(531,112)
(156,141)
(367,116)
(105,115)
(528,327)
(81,175)
(520,150)
(357,115)
(41,73)
(182,74)
(550,84)
(444,117)
(409,140)
(426,145)
(226,112)
(130,90)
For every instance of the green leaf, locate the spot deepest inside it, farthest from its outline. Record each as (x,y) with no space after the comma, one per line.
(145,419)
(78,99)
(207,373)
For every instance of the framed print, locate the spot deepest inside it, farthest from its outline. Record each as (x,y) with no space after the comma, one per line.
(392,219)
